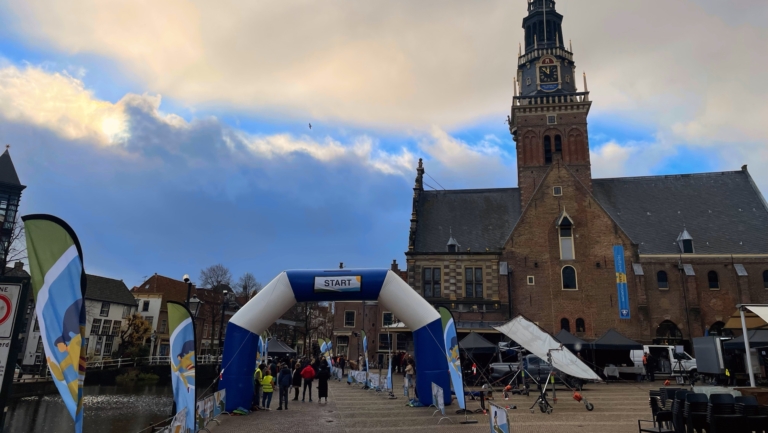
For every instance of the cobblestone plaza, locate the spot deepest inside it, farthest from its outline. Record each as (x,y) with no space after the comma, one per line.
(618,406)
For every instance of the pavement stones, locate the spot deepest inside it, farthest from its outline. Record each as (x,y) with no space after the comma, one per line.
(618,406)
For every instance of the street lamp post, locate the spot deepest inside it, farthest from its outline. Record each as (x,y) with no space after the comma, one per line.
(221,326)
(189,289)
(152,350)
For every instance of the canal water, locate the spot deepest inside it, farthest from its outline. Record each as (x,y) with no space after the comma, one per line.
(108,409)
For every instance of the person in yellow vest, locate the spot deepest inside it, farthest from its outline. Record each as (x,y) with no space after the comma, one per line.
(258,375)
(267,384)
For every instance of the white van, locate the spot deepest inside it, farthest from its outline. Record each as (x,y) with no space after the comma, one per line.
(668,361)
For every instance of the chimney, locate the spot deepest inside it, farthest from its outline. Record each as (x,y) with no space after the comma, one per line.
(395,267)
(18,266)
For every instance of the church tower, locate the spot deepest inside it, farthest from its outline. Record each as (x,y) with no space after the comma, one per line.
(549,114)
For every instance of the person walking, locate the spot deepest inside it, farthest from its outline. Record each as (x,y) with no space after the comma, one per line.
(267,384)
(284,381)
(308,373)
(258,375)
(296,380)
(410,375)
(342,364)
(323,374)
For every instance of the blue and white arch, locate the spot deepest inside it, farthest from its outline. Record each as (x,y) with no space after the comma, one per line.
(290,287)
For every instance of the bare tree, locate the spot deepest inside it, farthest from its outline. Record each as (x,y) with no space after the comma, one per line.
(133,333)
(214,276)
(248,286)
(15,249)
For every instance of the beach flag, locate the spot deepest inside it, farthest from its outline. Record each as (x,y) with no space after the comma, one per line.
(58,283)
(182,357)
(452,353)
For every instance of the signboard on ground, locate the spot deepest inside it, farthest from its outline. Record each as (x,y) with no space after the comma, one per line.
(9,300)
(498,419)
(438,397)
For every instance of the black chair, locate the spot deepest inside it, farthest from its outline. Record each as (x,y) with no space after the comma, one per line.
(668,394)
(695,412)
(678,418)
(722,416)
(660,416)
(748,407)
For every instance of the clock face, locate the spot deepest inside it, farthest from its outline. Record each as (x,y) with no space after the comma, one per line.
(548,74)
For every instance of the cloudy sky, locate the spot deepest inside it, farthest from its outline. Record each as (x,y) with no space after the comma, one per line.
(173,135)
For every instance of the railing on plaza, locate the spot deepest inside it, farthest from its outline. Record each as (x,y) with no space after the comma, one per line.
(101,364)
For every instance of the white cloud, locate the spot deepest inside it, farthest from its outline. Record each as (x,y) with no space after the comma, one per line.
(630,159)
(694,67)
(136,127)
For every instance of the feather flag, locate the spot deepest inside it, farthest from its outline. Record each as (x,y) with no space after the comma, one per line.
(452,353)
(365,350)
(330,351)
(58,283)
(182,342)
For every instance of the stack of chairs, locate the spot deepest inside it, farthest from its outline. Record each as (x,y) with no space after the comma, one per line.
(662,418)
(722,416)
(678,404)
(695,412)
(747,406)
(667,396)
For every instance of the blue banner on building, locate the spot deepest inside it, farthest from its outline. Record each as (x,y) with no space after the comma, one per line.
(621,281)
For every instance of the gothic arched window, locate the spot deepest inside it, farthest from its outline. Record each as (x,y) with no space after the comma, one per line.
(548,149)
(718,329)
(661,278)
(558,143)
(580,325)
(569,278)
(668,332)
(714,281)
(565,324)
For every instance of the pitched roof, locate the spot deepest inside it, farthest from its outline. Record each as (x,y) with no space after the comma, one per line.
(723,212)
(7,170)
(172,290)
(476,218)
(108,290)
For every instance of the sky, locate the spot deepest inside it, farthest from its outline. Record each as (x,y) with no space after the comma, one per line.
(175,135)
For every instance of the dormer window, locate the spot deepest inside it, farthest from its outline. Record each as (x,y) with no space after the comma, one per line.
(685,242)
(565,230)
(453,246)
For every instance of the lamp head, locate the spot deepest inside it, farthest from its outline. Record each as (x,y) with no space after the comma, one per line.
(186,278)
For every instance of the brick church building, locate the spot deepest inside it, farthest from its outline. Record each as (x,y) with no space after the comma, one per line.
(694,245)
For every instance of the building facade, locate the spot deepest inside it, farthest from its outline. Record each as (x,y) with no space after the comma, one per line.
(108,302)
(693,244)
(215,303)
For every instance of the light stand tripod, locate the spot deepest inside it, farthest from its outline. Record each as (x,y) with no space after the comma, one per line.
(544,405)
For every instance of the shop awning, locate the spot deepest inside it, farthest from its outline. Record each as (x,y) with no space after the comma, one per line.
(755,317)
(757,338)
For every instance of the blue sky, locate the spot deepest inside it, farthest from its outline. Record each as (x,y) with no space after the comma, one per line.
(174,135)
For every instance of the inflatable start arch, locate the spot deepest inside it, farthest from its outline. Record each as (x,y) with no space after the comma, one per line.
(290,287)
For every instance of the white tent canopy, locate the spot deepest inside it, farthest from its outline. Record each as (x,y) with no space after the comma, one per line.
(540,343)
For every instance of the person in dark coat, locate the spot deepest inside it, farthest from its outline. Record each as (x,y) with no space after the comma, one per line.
(296,381)
(323,374)
(342,364)
(284,381)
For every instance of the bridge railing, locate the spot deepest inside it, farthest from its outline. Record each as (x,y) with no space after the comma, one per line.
(101,364)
